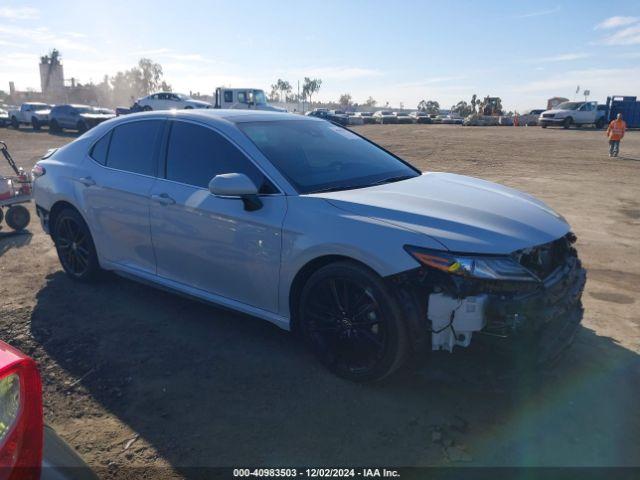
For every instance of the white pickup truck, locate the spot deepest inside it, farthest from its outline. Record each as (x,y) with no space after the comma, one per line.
(574,113)
(35,114)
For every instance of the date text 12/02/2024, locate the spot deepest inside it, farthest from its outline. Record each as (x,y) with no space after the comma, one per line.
(316,473)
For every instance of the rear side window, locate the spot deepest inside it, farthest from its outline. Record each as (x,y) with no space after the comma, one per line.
(196,154)
(228,96)
(133,145)
(100,149)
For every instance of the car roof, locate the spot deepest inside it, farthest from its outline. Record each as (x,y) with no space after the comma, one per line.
(215,115)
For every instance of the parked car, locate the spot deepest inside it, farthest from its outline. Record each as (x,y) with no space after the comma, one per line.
(385,116)
(4,118)
(35,114)
(421,117)
(367,117)
(318,113)
(355,119)
(530,117)
(29,449)
(127,110)
(315,229)
(170,101)
(403,117)
(77,117)
(338,116)
(573,113)
(452,119)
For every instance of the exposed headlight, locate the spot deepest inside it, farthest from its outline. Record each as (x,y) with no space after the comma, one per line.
(483,267)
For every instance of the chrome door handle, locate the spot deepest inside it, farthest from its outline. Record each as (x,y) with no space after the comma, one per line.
(87,181)
(163,199)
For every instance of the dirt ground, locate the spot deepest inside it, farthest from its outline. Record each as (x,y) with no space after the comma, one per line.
(135,377)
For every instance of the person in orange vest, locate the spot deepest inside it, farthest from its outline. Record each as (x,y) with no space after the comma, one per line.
(615,132)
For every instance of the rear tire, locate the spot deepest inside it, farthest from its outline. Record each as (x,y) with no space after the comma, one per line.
(146,108)
(82,127)
(352,322)
(600,124)
(18,217)
(1,215)
(75,247)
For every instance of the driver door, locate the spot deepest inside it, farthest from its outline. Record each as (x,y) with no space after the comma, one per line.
(211,243)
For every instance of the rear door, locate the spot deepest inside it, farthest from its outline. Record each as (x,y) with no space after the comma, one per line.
(208,242)
(116,192)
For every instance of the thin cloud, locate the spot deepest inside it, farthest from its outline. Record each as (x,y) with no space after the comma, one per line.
(564,57)
(19,13)
(616,22)
(626,36)
(338,73)
(539,13)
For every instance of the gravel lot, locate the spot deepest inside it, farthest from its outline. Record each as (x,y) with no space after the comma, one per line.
(135,377)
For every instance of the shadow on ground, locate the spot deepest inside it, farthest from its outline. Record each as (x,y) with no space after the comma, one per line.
(208,387)
(10,239)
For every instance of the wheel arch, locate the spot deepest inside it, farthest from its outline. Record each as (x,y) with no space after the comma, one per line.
(305,272)
(58,207)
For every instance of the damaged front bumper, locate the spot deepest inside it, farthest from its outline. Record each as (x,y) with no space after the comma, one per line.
(547,316)
(543,315)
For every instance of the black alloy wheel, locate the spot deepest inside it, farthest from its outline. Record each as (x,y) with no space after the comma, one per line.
(74,245)
(352,322)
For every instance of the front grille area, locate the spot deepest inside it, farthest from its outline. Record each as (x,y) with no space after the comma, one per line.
(548,115)
(543,260)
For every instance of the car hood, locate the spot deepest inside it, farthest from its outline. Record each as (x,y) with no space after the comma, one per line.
(464,214)
(556,111)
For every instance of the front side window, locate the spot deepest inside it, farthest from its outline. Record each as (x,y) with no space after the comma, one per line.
(242,97)
(228,96)
(319,156)
(196,154)
(133,145)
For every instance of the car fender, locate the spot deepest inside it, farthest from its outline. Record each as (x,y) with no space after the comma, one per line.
(314,228)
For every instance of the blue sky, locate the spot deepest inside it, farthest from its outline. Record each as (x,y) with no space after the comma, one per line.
(400,51)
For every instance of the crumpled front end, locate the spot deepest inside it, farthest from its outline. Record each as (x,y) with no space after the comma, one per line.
(545,313)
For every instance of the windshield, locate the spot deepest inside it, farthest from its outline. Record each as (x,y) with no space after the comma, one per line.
(259,97)
(316,156)
(569,106)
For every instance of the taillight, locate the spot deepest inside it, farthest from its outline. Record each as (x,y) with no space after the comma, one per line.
(38,170)
(21,421)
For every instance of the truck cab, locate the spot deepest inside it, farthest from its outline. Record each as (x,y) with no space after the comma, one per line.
(243,99)
(35,114)
(573,113)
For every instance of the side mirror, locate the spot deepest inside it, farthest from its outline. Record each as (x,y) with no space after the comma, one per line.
(236,185)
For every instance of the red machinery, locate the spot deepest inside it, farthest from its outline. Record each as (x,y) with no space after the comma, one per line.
(14,191)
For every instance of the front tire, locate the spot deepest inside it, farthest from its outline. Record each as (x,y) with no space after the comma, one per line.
(352,322)
(146,108)
(567,123)
(15,123)
(75,246)
(82,127)
(18,217)
(35,123)
(54,127)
